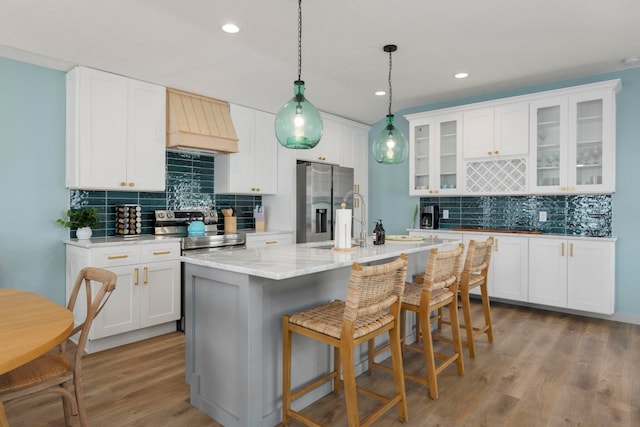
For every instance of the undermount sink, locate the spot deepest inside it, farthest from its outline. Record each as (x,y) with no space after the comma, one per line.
(331,246)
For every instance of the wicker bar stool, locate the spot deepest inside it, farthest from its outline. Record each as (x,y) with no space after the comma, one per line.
(372,307)
(439,289)
(474,274)
(54,372)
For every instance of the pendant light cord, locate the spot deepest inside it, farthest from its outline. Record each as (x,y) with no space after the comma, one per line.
(299,38)
(390,93)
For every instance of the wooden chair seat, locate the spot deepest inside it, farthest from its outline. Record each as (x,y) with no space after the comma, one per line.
(439,289)
(372,307)
(55,372)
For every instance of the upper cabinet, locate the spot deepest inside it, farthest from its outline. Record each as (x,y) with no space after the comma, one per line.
(329,149)
(554,142)
(116,131)
(252,170)
(573,142)
(496,131)
(435,154)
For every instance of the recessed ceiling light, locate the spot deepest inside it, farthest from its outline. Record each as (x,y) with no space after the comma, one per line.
(380,93)
(632,60)
(461,75)
(230,28)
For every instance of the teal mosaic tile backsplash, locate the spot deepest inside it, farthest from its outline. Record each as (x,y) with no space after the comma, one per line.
(190,185)
(578,215)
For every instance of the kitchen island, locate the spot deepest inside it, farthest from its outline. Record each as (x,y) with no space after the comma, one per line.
(234,302)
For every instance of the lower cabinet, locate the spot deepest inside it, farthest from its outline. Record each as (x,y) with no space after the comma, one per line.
(572,273)
(509,265)
(258,240)
(146,301)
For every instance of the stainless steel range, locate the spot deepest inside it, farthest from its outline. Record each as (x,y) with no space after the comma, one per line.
(176,223)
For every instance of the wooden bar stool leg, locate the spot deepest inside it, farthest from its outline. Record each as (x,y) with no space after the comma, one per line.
(349,378)
(455,331)
(3,417)
(398,372)
(466,311)
(429,358)
(487,311)
(337,368)
(286,370)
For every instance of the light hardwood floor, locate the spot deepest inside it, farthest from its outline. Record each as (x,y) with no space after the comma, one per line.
(544,369)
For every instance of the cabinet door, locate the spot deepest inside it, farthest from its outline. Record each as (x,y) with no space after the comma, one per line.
(548,145)
(421,140)
(511,129)
(265,154)
(548,271)
(122,311)
(100,122)
(591,142)
(328,149)
(478,133)
(448,155)
(146,137)
(510,267)
(233,172)
(160,287)
(591,276)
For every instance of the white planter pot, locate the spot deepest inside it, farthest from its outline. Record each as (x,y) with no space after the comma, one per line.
(84,233)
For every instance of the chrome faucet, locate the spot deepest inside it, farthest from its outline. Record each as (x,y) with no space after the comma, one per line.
(362,220)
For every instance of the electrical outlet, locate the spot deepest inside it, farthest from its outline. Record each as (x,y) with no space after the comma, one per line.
(542,216)
(445,214)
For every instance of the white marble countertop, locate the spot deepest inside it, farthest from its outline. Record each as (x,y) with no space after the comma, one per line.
(286,261)
(116,241)
(506,233)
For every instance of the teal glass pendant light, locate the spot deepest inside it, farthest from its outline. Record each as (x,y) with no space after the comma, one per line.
(298,123)
(390,146)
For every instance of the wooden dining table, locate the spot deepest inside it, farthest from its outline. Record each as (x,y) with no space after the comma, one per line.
(30,325)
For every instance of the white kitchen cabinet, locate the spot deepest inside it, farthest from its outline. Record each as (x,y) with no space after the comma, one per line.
(146,301)
(116,132)
(258,240)
(435,154)
(496,131)
(572,273)
(329,149)
(510,267)
(252,170)
(572,141)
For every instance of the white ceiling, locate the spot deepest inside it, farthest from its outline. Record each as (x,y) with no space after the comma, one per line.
(503,44)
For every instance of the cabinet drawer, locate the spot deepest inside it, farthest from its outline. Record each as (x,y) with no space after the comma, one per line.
(160,252)
(254,241)
(116,256)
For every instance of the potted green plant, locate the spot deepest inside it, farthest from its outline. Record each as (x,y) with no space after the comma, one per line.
(82,220)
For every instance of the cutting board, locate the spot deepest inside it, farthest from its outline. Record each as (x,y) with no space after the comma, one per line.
(486,230)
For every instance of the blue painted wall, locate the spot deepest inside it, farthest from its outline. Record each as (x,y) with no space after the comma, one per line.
(389,184)
(32,172)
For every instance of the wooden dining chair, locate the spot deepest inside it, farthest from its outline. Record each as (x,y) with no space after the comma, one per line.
(56,372)
(372,307)
(438,288)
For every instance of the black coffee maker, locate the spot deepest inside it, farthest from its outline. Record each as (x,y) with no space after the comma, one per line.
(429,217)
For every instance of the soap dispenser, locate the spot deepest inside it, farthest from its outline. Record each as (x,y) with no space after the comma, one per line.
(381,232)
(377,236)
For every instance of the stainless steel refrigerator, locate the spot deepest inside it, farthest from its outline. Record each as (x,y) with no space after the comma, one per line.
(320,189)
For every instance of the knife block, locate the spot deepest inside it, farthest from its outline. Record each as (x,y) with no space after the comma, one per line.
(230,224)
(261,224)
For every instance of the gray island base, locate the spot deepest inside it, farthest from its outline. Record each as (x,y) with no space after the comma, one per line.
(234,302)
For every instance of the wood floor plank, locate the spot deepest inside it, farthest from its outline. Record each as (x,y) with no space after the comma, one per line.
(543,369)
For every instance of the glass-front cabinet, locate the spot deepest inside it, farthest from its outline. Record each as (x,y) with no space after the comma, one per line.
(572,143)
(435,154)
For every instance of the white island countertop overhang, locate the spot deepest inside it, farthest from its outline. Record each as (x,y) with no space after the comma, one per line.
(287,261)
(234,302)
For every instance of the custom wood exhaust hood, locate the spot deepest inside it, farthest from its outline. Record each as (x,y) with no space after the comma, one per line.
(197,122)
